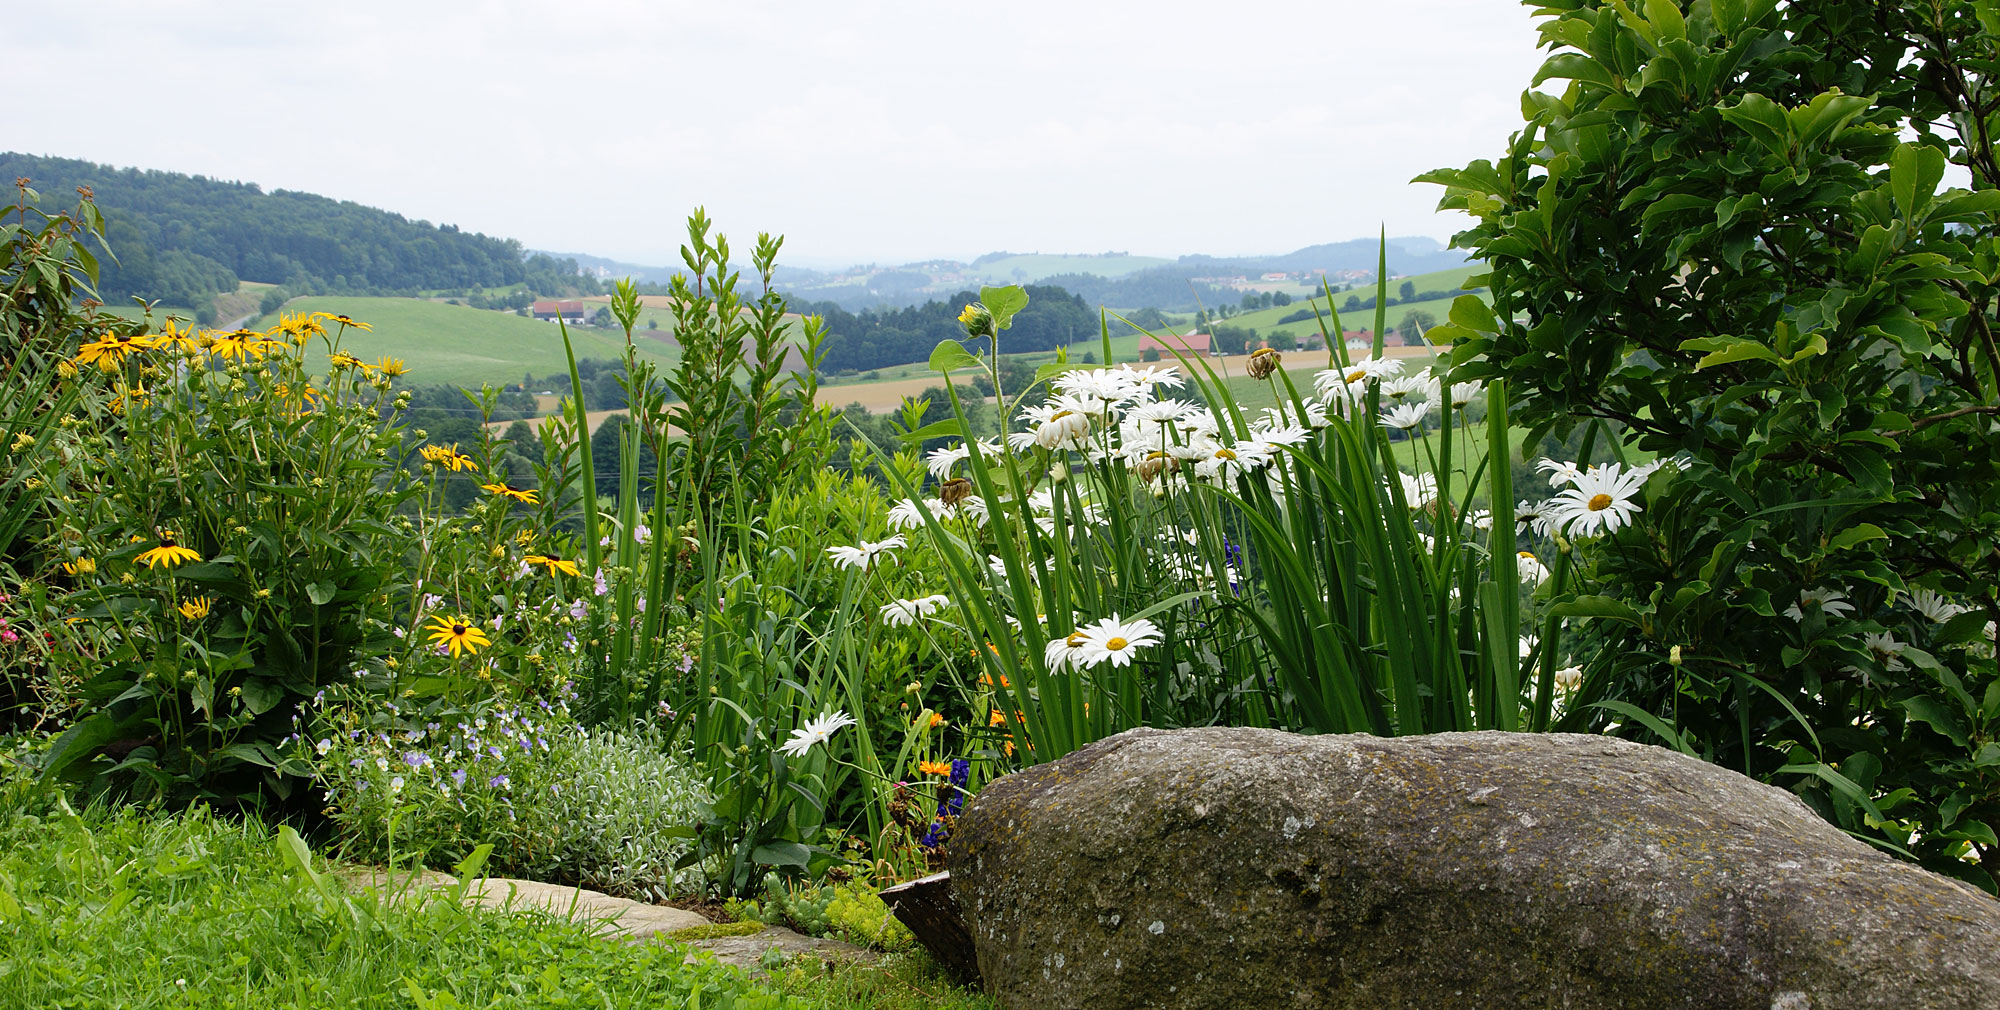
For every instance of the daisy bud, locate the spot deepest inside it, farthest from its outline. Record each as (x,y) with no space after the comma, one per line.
(955,490)
(1263,361)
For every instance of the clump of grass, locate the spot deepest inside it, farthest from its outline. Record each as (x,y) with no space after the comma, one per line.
(122,909)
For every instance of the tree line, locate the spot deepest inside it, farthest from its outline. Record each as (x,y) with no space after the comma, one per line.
(182,239)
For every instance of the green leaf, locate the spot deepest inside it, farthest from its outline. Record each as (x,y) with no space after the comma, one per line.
(950,426)
(1934,713)
(321,593)
(260,695)
(1765,121)
(1666,18)
(784,853)
(950,356)
(1859,533)
(1597,606)
(1650,721)
(1728,350)
(1914,172)
(1822,119)
(1473,314)
(1003,303)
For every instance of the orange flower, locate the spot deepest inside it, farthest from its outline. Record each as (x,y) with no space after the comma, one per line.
(999,718)
(934,767)
(937,719)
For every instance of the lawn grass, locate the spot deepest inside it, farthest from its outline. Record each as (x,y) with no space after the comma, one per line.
(132,909)
(464,346)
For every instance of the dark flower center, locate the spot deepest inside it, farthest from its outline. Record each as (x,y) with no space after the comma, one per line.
(458,629)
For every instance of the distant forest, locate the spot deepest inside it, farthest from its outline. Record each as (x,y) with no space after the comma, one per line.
(182,239)
(859,341)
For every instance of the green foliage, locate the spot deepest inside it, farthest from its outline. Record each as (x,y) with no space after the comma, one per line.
(847,910)
(599,808)
(878,338)
(122,909)
(1717,239)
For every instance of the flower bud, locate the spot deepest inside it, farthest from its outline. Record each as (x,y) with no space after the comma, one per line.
(955,490)
(978,322)
(1263,361)
(1674,656)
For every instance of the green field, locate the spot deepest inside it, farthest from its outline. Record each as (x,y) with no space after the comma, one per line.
(1266,320)
(465,346)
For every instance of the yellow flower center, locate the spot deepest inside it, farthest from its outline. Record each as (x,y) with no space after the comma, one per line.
(1075,639)
(1060,414)
(1526,554)
(1115,644)
(1219,454)
(1357,375)
(1599,503)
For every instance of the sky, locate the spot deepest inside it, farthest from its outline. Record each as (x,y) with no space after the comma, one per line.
(862,131)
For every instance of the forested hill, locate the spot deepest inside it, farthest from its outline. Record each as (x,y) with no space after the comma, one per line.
(860,341)
(181,239)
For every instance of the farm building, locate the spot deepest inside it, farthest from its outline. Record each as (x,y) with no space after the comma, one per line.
(1195,344)
(568,310)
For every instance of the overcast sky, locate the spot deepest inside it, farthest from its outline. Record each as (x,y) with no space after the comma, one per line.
(863,131)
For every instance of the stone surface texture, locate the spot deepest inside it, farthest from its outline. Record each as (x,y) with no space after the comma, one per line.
(1214,868)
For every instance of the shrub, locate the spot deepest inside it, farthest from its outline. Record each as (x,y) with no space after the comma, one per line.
(1716,240)
(601,808)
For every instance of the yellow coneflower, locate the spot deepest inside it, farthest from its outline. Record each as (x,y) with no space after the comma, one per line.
(306,395)
(525,496)
(169,552)
(172,337)
(342,359)
(81,566)
(525,537)
(197,608)
(459,633)
(243,344)
(391,367)
(449,456)
(110,350)
(344,320)
(299,326)
(934,767)
(130,395)
(553,563)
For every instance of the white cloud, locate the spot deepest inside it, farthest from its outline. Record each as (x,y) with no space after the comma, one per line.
(870,130)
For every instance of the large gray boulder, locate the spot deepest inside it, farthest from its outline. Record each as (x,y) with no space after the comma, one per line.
(1486,871)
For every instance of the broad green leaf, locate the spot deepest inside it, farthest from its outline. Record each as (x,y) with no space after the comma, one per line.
(1932,712)
(1822,119)
(1859,533)
(1914,173)
(1666,18)
(1003,303)
(1650,721)
(1765,121)
(321,593)
(950,355)
(782,853)
(950,426)
(1473,314)
(1596,606)
(1726,350)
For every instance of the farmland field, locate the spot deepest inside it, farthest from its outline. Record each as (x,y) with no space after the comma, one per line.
(465,346)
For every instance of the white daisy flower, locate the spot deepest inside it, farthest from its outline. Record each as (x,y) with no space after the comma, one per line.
(815,731)
(864,556)
(906,515)
(1290,434)
(942,461)
(1569,678)
(1151,376)
(1463,393)
(1931,604)
(1406,387)
(1116,641)
(1599,501)
(1064,654)
(903,613)
(1560,471)
(1407,415)
(1832,602)
(1419,492)
(1063,428)
(1531,568)
(1225,462)
(1886,650)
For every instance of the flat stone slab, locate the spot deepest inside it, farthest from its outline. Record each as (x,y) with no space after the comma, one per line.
(619,917)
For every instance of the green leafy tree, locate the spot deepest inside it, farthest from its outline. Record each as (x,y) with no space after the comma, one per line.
(1724,235)
(1412,328)
(1408,292)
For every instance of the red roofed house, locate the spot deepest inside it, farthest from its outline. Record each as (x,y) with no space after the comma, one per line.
(568,310)
(1193,344)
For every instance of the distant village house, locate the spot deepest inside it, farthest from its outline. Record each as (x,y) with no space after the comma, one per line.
(568,310)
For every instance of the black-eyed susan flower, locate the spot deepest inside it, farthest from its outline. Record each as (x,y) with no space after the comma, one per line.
(391,367)
(299,326)
(110,350)
(171,337)
(168,553)
(553,563)
(458,634)
(240,344)
(525,496)
(449,456)
(343,320)
(81,566)
(342,359)
(197,608)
